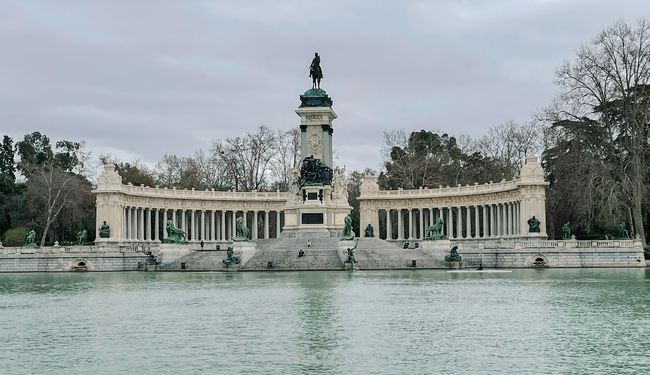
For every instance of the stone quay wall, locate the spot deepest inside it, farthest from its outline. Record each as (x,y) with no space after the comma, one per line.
(554,254)
(371,254)
(65,259)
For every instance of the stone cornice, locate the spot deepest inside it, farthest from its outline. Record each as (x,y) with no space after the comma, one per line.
(457,191)
(208,195)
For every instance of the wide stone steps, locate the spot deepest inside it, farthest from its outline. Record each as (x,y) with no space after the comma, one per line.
(374,253)
(282,253)
(197,261)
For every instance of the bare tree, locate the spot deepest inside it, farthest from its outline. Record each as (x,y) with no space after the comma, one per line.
(608,83)
(510,143)
(246,159)
(50,190)
(286,156)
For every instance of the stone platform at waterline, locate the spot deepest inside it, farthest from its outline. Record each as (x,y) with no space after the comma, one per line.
(327,254)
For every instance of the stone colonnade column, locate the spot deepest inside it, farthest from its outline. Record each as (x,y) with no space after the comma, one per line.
(389,229)
(411,226)
(400,225)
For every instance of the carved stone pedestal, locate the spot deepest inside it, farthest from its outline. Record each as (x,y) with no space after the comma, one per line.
(244,250)
(439,249)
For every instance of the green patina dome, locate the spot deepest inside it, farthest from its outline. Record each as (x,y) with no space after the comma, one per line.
(315,92)
(315,98)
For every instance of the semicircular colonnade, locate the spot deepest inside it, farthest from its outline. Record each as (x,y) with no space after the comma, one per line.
(487,211)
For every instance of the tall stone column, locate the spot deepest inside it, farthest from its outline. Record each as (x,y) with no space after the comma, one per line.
(278,224)
(233,224)
(400,225)
(468,222)
(510,212)
(127,231)
(492,222)
(266,224)
(485,221)
(148,222)
(513,222)
(125,212)
(502,218)
(508,218)
(157,225)
(202,232)
(459,222)
(504,209)
(123,225)
(140,219)
(190,225)
(497,218)
(183,226)
(421,234)
(164,223)
(389,229)
(222,226)
(477,230)
(212,236)
(254,225)
(174,218)
(134,223)
(245,216)
(450,222)
(517,219)
(411,226)
(432,219)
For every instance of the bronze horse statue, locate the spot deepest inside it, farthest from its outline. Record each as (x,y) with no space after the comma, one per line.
(315,72)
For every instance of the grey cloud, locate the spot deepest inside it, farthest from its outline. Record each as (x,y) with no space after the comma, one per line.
(140,79)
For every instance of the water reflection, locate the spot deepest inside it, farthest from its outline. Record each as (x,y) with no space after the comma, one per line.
(317,316)
(548,321)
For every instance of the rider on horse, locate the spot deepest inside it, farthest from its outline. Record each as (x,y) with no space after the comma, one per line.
(315,72)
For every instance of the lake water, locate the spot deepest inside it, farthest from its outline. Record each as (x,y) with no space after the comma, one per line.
(581,321)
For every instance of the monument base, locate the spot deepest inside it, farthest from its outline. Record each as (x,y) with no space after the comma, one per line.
(533,236)
(439,248)
(244,250)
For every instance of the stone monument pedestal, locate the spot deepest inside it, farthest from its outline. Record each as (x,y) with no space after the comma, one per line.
(438,248)
(318,201)
(344,245)
(244,250)
(532,236)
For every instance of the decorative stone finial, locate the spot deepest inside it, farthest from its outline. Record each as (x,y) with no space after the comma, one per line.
(109,177)
(369,185)
(532,171)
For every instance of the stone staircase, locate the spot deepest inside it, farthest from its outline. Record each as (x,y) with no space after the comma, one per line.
(283,253)
(197,261)
(374,253)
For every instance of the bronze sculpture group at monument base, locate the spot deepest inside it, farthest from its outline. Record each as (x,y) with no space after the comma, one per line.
(104,231)
(242,233)
(434,232)
(231,259)
(348,233)
(314,172)
(30,241)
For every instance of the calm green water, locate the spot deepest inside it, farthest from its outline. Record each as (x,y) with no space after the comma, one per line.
(399,322)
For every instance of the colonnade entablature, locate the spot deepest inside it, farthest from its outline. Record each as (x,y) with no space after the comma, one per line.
(140,213)
(490,210)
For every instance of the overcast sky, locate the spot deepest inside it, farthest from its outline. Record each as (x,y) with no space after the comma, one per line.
(138,79)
